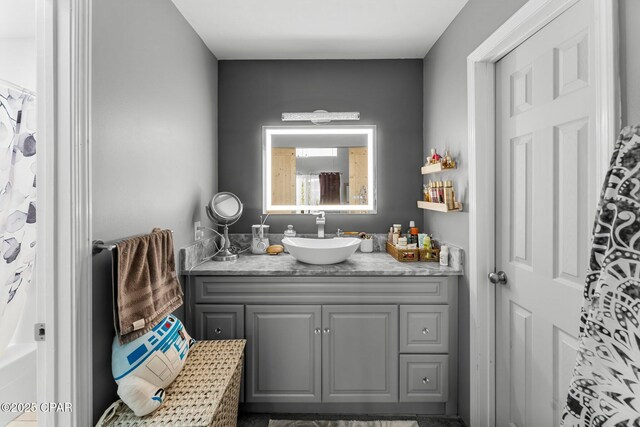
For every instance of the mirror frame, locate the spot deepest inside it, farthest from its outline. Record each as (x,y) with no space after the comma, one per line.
(368,130)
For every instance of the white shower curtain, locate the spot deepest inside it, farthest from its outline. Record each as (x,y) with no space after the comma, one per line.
(17,205)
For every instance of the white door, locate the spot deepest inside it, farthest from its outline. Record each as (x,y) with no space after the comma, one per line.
(545,205)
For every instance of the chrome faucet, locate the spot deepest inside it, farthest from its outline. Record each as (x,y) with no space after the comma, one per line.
(320,221)
(339,233)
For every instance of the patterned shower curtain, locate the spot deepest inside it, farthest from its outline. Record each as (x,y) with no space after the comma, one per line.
(17,206)
(605,389)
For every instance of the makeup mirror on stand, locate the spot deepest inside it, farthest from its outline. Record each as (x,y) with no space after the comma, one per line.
(225,209)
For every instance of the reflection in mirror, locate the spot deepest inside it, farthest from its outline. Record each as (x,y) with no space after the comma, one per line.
(312,168)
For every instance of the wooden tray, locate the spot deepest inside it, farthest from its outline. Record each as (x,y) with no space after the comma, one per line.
(429,255)
(403,255)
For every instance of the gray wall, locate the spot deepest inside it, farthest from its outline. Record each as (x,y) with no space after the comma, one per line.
(445,126)
(387,93)
(154,141)
(630,61)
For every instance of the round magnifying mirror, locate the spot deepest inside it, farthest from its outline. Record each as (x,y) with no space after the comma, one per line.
(225,209)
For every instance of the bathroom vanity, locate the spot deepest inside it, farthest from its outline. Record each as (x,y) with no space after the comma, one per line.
(369,335)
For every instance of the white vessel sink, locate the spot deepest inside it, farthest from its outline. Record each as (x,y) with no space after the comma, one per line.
(321,251)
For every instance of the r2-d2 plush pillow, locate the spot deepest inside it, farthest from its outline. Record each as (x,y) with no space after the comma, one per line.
(146,366)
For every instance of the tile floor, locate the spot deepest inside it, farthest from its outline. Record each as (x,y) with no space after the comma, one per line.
(262,420)
(27,419)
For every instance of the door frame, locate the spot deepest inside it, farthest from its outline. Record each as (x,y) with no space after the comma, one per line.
(481,63)
(63,270)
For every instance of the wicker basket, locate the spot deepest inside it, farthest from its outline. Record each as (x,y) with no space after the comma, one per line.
(403,255)
(205,394)
(429,255)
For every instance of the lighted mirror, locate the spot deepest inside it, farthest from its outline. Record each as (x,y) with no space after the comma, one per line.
(319,168)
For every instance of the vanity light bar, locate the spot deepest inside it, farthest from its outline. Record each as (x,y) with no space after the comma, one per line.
(319,116)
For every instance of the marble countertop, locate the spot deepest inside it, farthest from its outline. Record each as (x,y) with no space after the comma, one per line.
(359,264)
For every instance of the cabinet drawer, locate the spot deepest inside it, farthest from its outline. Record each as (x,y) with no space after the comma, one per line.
(424,377)
(219,322)
(424,329)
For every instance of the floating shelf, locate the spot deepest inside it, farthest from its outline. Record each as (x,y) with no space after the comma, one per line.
(440,207)
(434,168)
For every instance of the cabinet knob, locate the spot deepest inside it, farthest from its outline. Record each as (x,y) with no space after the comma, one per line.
(327,330)
(425,331)
(317,331)
(217,331)
(425,380)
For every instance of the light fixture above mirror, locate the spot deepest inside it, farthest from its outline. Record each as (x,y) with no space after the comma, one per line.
(310,168)
(320,117)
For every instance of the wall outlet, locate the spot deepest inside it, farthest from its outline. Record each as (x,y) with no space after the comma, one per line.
(197,233)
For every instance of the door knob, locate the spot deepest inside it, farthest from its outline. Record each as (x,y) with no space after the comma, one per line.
(498,278)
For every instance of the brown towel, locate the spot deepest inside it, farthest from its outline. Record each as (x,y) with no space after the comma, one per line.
(148,287)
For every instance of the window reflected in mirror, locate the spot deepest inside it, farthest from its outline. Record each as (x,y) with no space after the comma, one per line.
(328,168)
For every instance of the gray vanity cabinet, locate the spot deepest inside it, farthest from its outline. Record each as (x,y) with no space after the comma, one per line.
(283,353)
(360,353)
(380,345)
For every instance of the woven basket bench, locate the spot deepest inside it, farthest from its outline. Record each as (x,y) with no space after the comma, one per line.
(205,393)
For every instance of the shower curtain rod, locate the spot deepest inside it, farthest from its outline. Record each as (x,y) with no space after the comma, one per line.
(16,87)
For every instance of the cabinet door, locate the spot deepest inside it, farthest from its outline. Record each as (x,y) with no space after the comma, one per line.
(283,353)
(360,353)
(219,322)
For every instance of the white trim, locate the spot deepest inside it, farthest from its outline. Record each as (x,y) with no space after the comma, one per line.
(533,16)
(64,216)
(45,104)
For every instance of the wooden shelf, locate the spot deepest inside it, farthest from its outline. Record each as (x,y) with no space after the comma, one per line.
(440,207)
(434,168)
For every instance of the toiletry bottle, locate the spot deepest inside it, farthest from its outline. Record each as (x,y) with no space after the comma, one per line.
(402,243)
(448,196)
(414,233)
(426,243)
(396,233)
(390,237)
(289,232)
(425,192)
(444,255)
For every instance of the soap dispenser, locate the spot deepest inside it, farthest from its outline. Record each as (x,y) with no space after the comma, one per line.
(289,232)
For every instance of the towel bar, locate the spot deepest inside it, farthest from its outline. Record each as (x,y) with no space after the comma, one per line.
(99,245)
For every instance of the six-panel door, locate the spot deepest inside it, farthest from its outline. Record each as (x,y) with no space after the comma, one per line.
(360,353)
(283,353)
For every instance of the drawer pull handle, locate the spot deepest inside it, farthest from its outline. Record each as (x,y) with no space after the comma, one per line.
(327,330)
(317,331)
(425,331)
(426,380)
(217,331)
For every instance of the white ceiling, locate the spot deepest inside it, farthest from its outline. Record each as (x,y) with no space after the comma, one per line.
(18,19)
(319,29)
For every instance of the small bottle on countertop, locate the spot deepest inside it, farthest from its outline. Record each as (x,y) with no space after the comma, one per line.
(402,242)
(390,236)
(426,242)
(289,232)
(444,256)
(413,232)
